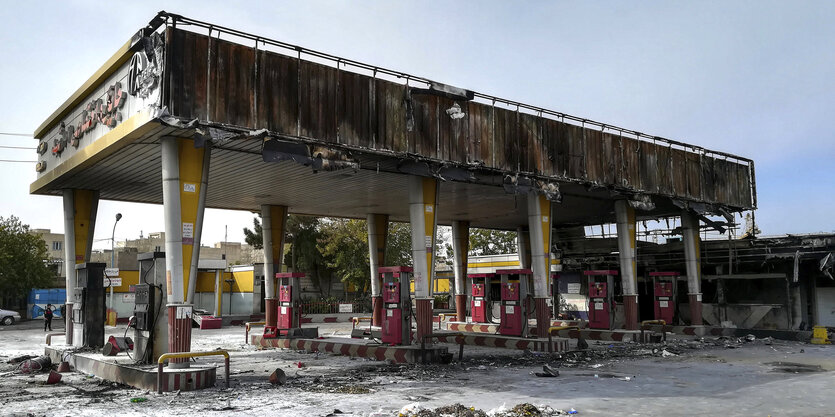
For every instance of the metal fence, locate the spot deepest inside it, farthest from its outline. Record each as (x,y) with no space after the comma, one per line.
(333,307)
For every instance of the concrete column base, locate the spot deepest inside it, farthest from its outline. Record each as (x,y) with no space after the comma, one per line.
(424,318)
(695,309)
(179,334)
(377,310)
(543,316)
(461,307)
(630,308)
(271,311)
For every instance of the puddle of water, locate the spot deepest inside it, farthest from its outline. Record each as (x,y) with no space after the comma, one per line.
(794,368)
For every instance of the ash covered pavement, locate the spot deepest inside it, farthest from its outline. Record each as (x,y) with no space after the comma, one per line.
(685,376)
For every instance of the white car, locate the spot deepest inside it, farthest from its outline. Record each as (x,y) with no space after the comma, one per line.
(8,317)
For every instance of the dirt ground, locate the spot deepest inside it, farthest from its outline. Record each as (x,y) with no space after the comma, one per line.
(686,376)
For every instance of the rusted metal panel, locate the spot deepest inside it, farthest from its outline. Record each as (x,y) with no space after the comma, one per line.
(530,141)
(480,121)
(649,167)
(506,140)
(678,167)
(423,139)
(453,133)
(353,109)
(594,155)
(744,197)
(612,163)
(186,71)
(556,147)
(317,99)
(664,169)
(708,189)
(694,176)
(631,150)
(223,82)
(576,151)
(232,81)
(391,116)
(277,100)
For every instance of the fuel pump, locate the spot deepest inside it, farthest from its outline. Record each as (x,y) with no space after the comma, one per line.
(515,303)
(664,290)
(397,305)
(479,302)
(150,317)
(88,313)
(601,291)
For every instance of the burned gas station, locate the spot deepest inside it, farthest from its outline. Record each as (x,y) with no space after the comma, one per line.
(192,115)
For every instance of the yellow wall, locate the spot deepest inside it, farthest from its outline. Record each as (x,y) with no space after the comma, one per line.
(244,281)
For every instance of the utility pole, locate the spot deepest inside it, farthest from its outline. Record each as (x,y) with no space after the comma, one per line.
(113,257)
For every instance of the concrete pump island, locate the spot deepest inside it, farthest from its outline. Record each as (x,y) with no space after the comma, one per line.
(192,115)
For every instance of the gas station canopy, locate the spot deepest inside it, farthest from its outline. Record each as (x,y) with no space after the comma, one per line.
(329,136)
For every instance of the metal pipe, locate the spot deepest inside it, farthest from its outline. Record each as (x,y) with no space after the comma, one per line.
(179,355)
(112,258)
(249,325)
(49,337)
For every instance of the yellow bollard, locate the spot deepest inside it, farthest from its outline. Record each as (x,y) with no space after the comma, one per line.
(111,317)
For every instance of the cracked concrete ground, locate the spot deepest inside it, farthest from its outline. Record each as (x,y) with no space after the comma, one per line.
(693,377)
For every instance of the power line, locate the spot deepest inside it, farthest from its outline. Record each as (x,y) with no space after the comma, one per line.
(18,147)
(12,160)
(16,134)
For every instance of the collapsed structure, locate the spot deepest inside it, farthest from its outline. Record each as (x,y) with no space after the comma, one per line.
(191,115)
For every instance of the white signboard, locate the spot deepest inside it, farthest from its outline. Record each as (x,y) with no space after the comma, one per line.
(111,272)
(129,298)
(573,287)
(663,304)
(509,309)
(112,282)
(346,308)
(188,230)
(598,306)
(189,187)
(183,312)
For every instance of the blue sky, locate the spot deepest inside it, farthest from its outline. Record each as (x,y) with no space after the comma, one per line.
(753,78)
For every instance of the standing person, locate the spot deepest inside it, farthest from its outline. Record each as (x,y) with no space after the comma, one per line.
(47,317)
(64,314)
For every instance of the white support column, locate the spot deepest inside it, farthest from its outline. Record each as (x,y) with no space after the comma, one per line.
(69,261)
(692,258)
(627,241)
(80,207)
(523,247)
(377,236)
(423,198)
(273,224)
(183,173)
(539,226)
(218,293)
(460,249)
(172,219)
(198,223)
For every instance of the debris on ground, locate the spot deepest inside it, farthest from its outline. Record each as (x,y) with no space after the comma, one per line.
(548,372)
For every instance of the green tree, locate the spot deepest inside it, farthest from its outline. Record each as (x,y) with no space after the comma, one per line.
(344,245)
(24,260)
(399,245)
(255,237)
(492,242)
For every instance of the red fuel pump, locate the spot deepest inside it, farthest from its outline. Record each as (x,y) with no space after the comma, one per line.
(289,305)
(664,290)
(601,291)
(479,303)
(397,305)
(515,305)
